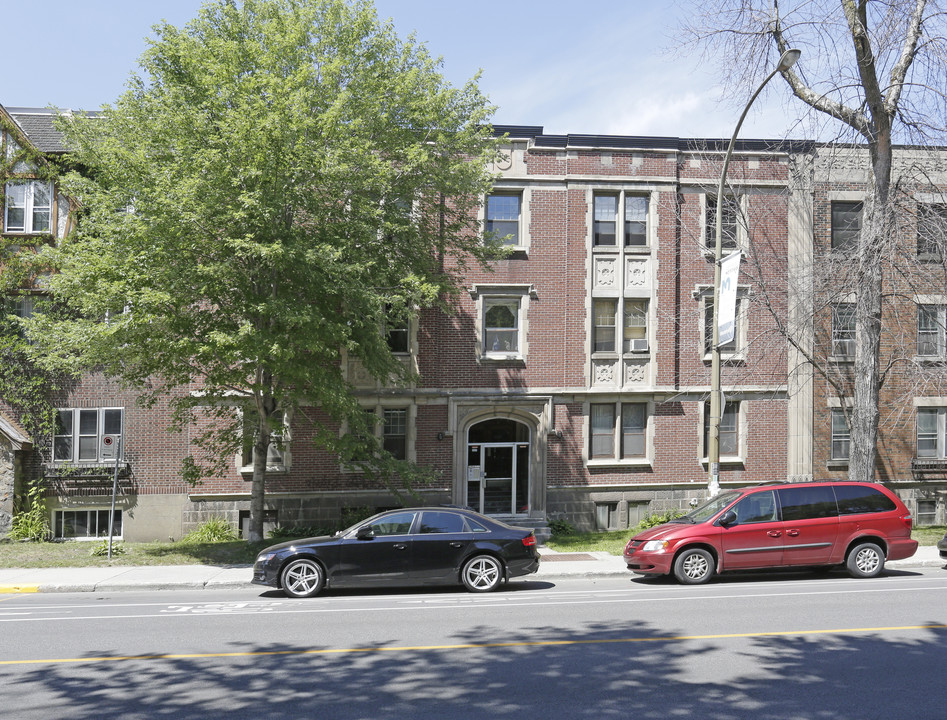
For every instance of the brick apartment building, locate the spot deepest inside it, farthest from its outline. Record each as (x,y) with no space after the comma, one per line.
(570,382)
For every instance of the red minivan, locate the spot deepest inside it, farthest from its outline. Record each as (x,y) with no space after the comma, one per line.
(856,524)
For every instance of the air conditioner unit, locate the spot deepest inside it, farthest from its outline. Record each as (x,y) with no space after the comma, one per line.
(639,345)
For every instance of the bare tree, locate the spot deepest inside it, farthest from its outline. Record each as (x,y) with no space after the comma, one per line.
(876,71)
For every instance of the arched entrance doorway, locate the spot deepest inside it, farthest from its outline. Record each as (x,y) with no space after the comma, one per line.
(498,467)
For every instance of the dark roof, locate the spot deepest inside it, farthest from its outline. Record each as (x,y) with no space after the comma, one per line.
(15,434)
(37,125)
(637,142)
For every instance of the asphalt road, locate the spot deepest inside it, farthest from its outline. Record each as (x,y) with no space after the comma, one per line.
(745,646)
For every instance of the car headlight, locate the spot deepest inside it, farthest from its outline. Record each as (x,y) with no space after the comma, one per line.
(654,546)
(264,558)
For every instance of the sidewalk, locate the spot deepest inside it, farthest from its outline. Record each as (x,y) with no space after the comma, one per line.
(211,577)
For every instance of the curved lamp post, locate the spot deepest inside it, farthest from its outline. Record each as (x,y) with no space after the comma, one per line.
(786,61)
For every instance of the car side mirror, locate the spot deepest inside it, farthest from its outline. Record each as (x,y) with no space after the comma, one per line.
(365,533)
(728,518)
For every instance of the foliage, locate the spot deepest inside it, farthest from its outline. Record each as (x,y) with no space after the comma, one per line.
(101,549)
(290,532)
(282,178)
(657,519)
(31,522)
(561,526)
(355,514)
(215,530)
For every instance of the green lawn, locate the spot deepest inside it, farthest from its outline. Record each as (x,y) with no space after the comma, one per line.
(78,554)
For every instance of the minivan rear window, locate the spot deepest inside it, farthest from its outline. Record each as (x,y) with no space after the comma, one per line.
(855,499)
(803,503)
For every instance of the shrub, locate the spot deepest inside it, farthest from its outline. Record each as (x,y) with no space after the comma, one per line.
(560,526)
(217,529)
(355,514)
(659,518)
(32,522)
(102,549)
(287,532)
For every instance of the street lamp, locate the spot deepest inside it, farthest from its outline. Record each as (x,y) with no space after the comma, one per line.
(786,61)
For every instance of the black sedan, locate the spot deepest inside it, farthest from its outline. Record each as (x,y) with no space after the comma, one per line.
(942,547)
(412,546)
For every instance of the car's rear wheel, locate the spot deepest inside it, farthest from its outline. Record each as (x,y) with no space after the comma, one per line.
(302,578)
(865,561)
(482,573)
(694,566)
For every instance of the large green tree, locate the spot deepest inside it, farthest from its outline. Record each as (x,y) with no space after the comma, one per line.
(280,178)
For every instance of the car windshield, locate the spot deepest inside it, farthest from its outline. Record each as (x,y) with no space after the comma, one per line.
(704,512)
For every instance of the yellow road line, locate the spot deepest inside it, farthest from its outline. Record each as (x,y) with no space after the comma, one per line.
(472,646)
(19,588)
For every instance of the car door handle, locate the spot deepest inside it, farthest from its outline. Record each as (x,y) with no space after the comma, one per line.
(456,545)
(792,533)
(399,546)
(774,533)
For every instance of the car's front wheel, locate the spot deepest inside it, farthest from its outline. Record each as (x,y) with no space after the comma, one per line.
(302,578)
(865,561)
(482,573)
(694,566)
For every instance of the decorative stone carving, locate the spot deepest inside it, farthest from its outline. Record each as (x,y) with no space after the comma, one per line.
(605,274)
(603,373)
(637,275)
(636,373)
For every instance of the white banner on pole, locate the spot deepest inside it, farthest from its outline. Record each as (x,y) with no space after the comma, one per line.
(726,313)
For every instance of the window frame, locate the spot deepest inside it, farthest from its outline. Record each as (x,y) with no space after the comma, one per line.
(621,219)
(736,426)
(937,330)
(608,442)
(520,240)
(732,205)
(840,436)
(278,459)
(489,295)
(842,332)
(938,435)
(118,526)
(75,436)
(378,410)
(930,248)
(843,238)
(29,207)
(734,351)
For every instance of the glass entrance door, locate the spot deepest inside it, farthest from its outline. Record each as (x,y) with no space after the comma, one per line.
(498,472)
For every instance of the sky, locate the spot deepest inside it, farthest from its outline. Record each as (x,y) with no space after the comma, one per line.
(599,67)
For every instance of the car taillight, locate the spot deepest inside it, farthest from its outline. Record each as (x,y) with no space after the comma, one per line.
(529,540)
(907,520)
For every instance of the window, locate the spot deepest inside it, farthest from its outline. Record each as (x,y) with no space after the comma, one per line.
(619,219)
(807,503)
(632,439)
(841,436)
(277,454)
(395,432)
(856,499)
(503,218)
(88,523)
(603,325)
(932,433)
(931,323)
(926,513)
(635,326)
(79,435)
(396,334)
(756,508)
(634,428)
(441,522)
(846,225)
(843,330)
(733,346)
(729,430)
(730,213)
(396,524)
(28,206)
(602,424)
(501,326)
(931,230)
